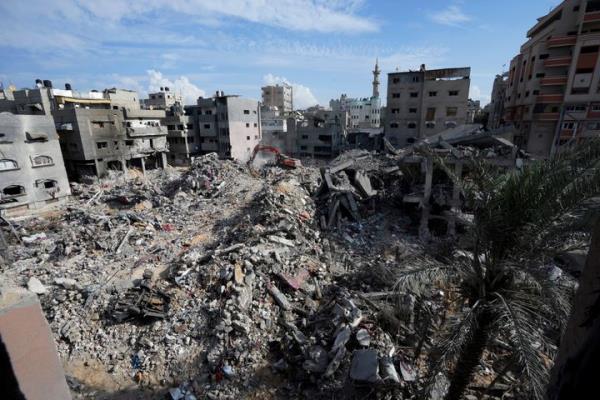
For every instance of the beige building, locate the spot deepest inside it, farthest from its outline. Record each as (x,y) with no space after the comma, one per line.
(280,96)
(553,96)
(496,106)
(162,100)
(425,102)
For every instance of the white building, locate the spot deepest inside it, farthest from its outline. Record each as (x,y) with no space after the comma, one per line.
(280,96)
(363,113)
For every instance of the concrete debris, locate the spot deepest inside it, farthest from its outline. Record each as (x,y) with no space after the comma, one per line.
(211,282)
(35,286)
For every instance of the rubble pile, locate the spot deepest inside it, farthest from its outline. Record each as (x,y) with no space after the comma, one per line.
(216,283)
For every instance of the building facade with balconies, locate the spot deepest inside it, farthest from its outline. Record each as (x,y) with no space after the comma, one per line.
(425,102)
(553,91)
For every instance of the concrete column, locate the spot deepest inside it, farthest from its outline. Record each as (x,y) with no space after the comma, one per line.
(163,158)
(424,233)
(455,204)
(143,162)
(124,166)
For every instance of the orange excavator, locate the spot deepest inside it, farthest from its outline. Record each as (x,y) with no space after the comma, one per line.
(280,159)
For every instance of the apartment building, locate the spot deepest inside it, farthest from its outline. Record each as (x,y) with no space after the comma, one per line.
(280,96)
(553,93)
(363,113)
(183,138)
(496,106)
(274,126)
(32,172)
(162,100)
(473,110)
(226,124)
(319,134)
(425,102)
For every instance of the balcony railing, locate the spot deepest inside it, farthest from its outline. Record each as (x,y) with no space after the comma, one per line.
(549,98)
(557,62)
(554,81)
(560,41)
(548,116)
(591,16)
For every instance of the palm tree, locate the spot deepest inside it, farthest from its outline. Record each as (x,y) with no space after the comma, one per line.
(522,219)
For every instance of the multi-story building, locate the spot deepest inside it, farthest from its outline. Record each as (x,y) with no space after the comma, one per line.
(183,138)
(274,127)
(496,106)
(32,172)
(363,113)
(162,100)
(425,102)
(473,110)
(228,125)
(280,96)
(553,94)
(319,134)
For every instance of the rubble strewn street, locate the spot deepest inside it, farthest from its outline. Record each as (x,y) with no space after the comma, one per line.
(213,282)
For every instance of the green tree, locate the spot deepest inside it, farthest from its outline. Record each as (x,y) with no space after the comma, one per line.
(522,219)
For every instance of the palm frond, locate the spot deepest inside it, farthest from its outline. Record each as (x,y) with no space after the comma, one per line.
(518,321)
(422,272)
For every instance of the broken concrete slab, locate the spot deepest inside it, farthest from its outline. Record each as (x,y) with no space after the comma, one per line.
(365,366)
(35,286)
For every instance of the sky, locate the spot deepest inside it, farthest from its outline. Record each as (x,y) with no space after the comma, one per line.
(322,47)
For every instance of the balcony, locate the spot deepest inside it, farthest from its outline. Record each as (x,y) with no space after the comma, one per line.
(557,62)
(547,116)
(549,98)
(591,16)
(561,41)
(554,81)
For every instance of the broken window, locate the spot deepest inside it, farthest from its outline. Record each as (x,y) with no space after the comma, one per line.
(14,190)
(40,161)
(47,184)
(430,125)
(395,95)
(412,125)
(414,94)
(246,111)
(395,111)
(247,125)
(101,145)
(432,94)
(247,137)
(453,93)
(393,125)
(412,110)
(430,114)
(395,80)
(451,111)
(129,142)
(189,126)
(8,165)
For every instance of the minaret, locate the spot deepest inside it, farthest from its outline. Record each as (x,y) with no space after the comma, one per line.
(376,73)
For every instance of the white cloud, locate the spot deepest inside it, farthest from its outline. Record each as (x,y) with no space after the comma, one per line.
(181,85)
(451,16)
(476,94)
(302,96)
(300,15)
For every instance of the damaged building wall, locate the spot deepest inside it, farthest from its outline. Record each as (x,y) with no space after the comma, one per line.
(32,172)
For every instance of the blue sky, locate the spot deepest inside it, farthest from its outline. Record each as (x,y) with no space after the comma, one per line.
(322,47)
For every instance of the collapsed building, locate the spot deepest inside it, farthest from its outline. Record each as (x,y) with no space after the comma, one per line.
(32,171)
(319,134)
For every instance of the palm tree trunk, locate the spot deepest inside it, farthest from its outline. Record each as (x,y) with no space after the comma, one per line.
(469,359)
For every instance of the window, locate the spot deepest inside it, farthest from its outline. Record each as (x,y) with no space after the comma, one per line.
(568,125)
(8,165)
(255,125)
(304,136)
(412,125)
(544,56)
(247,137)
(415,79)
(430,114)
(540,75)
(41,161)
(247,112)
(580,90)
(453,93)
(98,124)
(14,190)
(412,110)
(429,125)
(171,127)
(596,107)
(189,126)
(594,126)
(577,108)
(47,184)
(414,94)
(432,94)
(247,125)
(395,80)
(589,49)
(393,125)
(208,112)
(101,145)
(395,95)
(451,111)
(302,147)
(206,126)
(395,111)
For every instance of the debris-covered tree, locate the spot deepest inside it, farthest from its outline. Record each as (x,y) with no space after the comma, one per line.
(522,219)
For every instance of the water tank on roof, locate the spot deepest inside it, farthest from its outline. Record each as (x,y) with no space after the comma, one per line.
(47,83)
(68,86)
